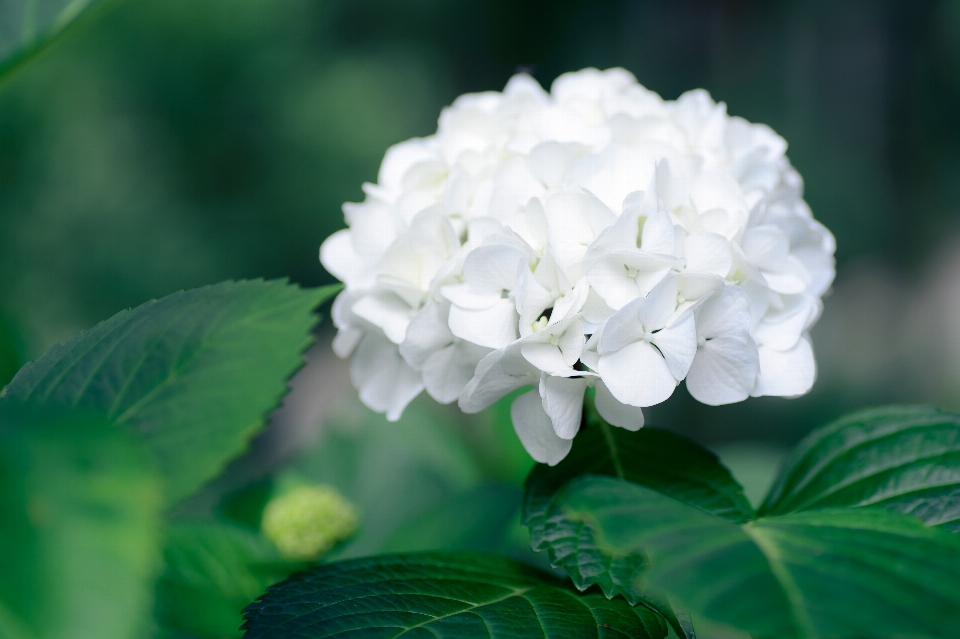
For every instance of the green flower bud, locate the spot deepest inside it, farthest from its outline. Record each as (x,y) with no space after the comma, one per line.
(307,521)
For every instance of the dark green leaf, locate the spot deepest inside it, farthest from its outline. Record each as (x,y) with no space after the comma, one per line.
(904,458)
(657,458)
(79,515)
(27,27)
(450,595)
(826,573)
(212,571)
(193,374)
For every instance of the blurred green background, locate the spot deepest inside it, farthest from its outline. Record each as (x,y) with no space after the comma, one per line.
(174,143)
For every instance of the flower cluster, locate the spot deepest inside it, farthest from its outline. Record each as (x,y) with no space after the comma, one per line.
(593,236)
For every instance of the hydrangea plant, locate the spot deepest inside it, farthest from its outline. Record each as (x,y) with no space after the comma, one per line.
(596,237)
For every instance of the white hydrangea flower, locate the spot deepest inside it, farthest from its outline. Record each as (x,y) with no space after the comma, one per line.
(596,236)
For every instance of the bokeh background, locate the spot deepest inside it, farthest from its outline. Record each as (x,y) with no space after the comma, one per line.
(174,143)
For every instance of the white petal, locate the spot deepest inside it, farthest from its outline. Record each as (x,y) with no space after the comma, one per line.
(573,221)
(530,224)
(387,311)
(465,296)
(549,161)
(532,300)
(790,278)
(567,305)
(765,246)
(728,312)
(535,430)
(622,328)
(637,375)
(724,370)
(492,268)
(493,327)
(780,330)
(589,356)
(708,253)
(345,341)
(610,275)
(341,260)
(373,227)
(610,174)
(595,310)
(426,334)
(513,186)
(386,383)
(562,400)
(447,371)
(545,356)
(678,345)
(659,306)
(550,275)
(616,413)
(571,343)
(658,234)
(399,158)
(497,374)
(788,373)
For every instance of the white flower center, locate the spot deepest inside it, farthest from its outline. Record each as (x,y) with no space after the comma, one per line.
(701,340)
(555,340)
(648,336)
(631,272)
(680,298)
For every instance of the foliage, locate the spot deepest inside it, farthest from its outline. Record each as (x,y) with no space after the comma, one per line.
(79,526)
(806,568)
(652,457)
(905,458)
(193,374)
(212,570)
(854,539)
(440,594)
(99,434)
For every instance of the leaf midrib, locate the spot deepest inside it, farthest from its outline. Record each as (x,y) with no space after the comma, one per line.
(795,600)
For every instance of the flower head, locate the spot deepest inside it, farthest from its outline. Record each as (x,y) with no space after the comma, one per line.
(307,521)
(593,236)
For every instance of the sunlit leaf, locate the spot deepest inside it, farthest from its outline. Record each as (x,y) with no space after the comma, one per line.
(79,521)
(825,573)
(193,374)
(904,458)
(440,595)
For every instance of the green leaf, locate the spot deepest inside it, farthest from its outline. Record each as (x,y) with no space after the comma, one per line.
(826,573)
(652,457)
(28,27)
(79,515)
(452,595)
(212,570)
(193,374)
(904,458)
